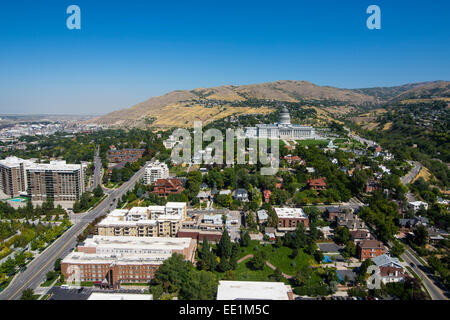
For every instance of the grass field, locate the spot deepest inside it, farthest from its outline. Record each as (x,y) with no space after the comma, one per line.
(280,258)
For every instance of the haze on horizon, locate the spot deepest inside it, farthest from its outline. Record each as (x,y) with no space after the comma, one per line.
(128,51)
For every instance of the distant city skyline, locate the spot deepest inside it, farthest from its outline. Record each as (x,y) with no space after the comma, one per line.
(127,52)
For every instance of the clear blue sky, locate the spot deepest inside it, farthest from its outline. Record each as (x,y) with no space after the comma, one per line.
(128,51)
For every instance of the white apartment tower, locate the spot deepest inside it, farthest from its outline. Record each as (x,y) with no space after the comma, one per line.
(155,171)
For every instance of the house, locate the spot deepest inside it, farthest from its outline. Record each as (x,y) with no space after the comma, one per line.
(262,216)
(224,192)
(164,187)
(317,184)
(204,195)
(386,260)
(442,201)
(378,149)
(360,235)
(370,249)
(371,186)
(417,205)
(294,159)
(310,170)
(332,212)
(241,195)
(434,234)
(350,220)
(392,274)
(267,194)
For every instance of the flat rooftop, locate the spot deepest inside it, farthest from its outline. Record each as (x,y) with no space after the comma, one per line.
(125,242)
(254,290)
(119,296)
(290,213)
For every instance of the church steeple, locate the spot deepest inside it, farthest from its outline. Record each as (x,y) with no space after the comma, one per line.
(285,118)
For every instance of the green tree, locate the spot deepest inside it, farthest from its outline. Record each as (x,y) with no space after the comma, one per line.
(224,246)
(421,235)
(27,294)
(200,285)
(98,191)
(258,261)
(172,273)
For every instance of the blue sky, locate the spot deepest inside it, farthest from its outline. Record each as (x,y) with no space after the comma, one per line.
(128,51)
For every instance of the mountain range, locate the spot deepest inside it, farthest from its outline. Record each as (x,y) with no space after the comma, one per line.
(181,107)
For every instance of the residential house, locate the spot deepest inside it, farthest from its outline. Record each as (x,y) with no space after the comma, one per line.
(317,184)
(417,205)
(241,195)
(359,236)
(370,249)
(267,194)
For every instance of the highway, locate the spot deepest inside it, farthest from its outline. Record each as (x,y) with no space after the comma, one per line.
(37,269)
(435,288)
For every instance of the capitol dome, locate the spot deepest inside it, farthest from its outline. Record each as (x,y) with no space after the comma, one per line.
(285,118)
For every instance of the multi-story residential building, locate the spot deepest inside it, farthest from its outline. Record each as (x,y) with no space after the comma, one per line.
(289,218)
(152,221)
(155,171)
(125,155)
(164,187)
(370,249)
(12,176)
(57,181)
(208,226)
(110,261)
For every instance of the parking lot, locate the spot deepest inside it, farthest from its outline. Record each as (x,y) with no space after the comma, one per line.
(329,247)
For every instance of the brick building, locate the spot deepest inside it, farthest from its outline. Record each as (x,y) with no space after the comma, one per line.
(289,218)
(110,261)
(164,187)
(317,184)
(370,249)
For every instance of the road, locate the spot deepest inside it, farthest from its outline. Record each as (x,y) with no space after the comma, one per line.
(98,170)
(37,269)
(407,178)
(369,143)
(434,287)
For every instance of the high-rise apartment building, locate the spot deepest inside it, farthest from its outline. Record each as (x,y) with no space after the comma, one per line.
(155,171)
(12,176)
(57,181)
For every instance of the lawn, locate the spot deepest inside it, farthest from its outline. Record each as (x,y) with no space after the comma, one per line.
(244,273)
(280,258)
(312,142)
